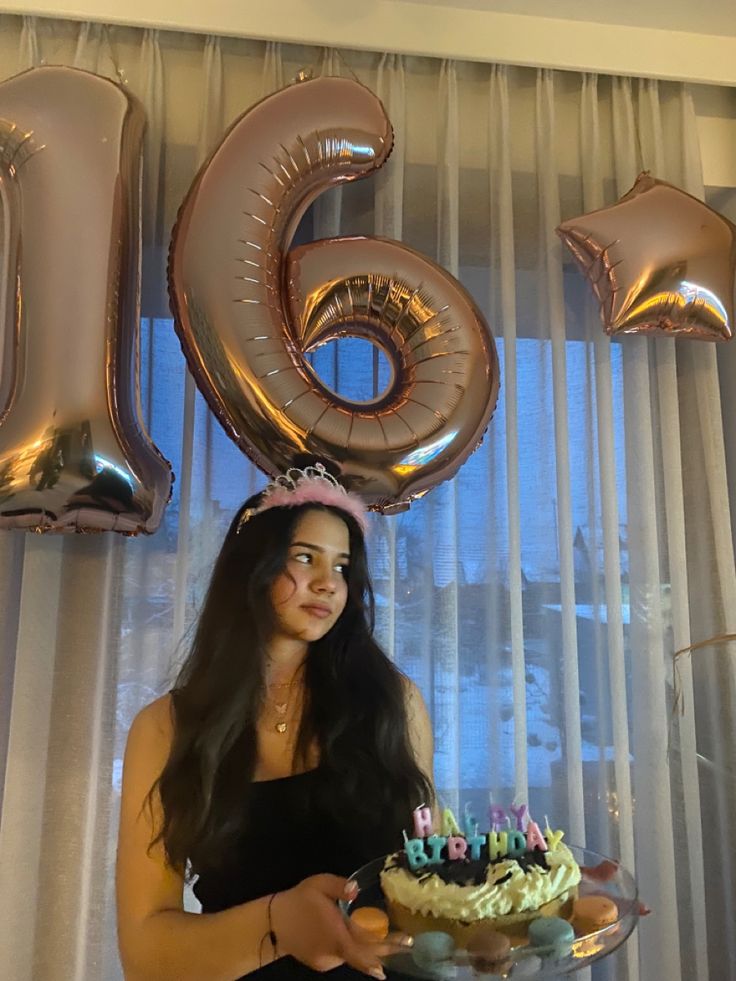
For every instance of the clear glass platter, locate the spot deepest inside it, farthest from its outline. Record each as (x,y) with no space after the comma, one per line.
(600,876)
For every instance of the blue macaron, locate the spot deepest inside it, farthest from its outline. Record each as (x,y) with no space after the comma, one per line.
(552,935)
(431,950)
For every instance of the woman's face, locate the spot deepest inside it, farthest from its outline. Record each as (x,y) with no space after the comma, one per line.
(311,592)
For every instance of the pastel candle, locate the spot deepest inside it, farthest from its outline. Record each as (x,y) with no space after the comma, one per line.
(476,842)
(553,838)
(534,837)
(449,824)
(471,825)
(436,843)
(423,826)
(497,844)
(457,846)
(415,854)
(508,823)
(516,844)
(497,815)
(519,813)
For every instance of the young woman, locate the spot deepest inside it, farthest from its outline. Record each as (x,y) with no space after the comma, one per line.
(289,753)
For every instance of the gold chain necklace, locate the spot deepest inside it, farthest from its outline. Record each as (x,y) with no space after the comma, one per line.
(281,708)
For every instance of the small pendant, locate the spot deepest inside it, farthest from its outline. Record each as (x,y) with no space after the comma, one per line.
(280,727)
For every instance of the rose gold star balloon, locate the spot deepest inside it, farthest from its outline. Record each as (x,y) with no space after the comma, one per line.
(659,261)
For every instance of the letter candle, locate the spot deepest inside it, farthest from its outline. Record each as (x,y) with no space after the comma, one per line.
(496,815)
(497,844)
(423,826)
(457,846)
(471,825)
(519,813)
(436,843)
(516,844)
(449,824)
(414,848)
(553,837)
(427,847)
(534,837)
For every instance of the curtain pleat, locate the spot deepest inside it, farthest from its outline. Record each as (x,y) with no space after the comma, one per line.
(273,68)
(444,504)
(213,124)
(153,96)
(625,167)
(614,795)
(709,551)
(328,207)
(28,51)
(650,771)
(22,886)
(388,213)
(552,309)
(211,127)
(502,304)
(591,181)
(11,578)
(536,599)
(671,436)
(94,51)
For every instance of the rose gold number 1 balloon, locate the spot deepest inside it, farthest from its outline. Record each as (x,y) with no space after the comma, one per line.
(73,453)
(248,314)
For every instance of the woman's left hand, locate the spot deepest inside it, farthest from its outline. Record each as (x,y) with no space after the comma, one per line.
(311,928)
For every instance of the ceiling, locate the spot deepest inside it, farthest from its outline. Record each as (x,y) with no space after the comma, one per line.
(694,16)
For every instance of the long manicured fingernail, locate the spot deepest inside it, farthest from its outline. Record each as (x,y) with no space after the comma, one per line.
(407,941)
(377,972)
(351,888)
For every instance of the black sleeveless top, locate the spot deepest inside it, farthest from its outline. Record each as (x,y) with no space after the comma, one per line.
(289,836)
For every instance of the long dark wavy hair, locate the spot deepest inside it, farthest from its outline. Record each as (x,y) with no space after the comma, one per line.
(354,705)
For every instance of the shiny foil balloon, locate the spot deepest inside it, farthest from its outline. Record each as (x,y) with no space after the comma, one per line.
(248,311)
(73,453)
(659,261)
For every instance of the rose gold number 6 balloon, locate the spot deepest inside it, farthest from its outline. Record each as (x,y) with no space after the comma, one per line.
(73,454)
(247,313)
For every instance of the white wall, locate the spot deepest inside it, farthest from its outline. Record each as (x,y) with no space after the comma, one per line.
(454,30)
(716,110)
(439,28)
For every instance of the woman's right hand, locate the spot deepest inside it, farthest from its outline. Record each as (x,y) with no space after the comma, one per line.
(310,927)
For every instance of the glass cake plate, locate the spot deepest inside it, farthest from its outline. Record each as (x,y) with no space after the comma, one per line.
(600,876)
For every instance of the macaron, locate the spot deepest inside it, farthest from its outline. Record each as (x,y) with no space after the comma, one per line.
(527,966)
(552,933)
(592,913)
(432,949)
(489,951)
(371,919)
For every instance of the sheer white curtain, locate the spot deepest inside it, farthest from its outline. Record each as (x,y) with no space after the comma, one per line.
(537,599)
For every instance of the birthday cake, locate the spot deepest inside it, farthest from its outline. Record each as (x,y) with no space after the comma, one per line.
(460,881)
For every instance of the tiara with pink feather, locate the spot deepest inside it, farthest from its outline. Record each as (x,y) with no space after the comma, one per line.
(312,485)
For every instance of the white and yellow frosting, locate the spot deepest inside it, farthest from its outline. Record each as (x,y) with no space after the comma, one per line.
(508,887)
